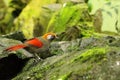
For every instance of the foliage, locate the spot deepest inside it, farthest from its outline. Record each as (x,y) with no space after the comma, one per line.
(110,13)
(18,5)
(69,15)
(11,10)
(32,15)
(37,19)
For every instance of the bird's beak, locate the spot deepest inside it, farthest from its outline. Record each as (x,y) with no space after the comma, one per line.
(56,37)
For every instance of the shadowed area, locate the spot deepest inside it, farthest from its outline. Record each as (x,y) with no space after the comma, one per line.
(10,66)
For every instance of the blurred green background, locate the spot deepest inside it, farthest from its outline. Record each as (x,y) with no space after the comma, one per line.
(69,18)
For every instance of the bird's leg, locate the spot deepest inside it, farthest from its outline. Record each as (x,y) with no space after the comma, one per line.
(37,57)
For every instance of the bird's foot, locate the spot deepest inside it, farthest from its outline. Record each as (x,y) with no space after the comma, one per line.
(37,59)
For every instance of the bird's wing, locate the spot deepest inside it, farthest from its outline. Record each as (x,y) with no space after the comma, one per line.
(35,42)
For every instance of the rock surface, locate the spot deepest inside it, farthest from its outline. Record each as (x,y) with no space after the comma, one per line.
(90,58)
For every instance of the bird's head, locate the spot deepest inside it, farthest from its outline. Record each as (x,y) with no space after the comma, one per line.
(49,36)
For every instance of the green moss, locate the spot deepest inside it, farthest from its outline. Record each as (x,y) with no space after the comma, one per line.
(65,77)
(92,55)
(88,32)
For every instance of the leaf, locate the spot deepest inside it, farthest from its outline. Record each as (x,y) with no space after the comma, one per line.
(67,16)
(109,13)
(116,10)
(108,4)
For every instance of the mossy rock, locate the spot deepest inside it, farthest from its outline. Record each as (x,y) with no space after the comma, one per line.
(75,65)
(90,58)
(82,63)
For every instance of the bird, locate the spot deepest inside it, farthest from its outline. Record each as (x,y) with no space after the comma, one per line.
(37,45)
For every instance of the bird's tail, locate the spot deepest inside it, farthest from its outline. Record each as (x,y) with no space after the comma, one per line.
(16,47)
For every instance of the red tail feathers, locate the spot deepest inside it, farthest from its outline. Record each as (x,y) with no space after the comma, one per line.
(16,47)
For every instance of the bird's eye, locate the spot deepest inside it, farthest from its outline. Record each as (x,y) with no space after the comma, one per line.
(50,37)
